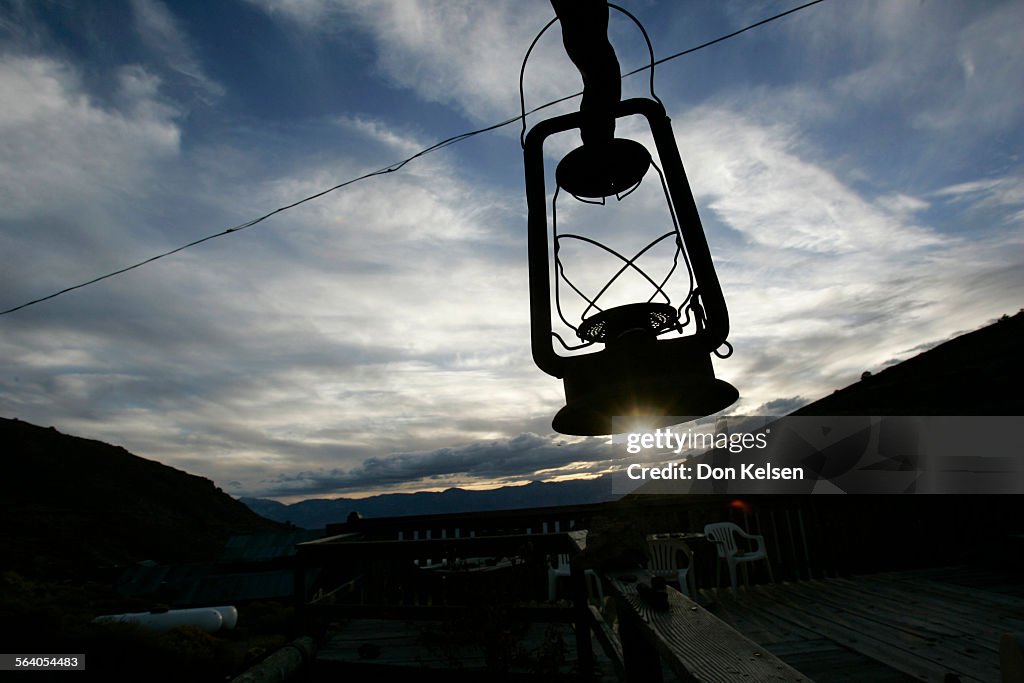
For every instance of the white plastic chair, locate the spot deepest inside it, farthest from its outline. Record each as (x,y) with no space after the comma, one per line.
(724,534)
(665,562)
(563,568)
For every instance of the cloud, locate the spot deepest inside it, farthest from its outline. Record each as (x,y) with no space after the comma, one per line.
(988,54)
(55,136)
(1006,192)
(71,170)
(162,34)
(760,183)
(378,132)
(456,52)
(781,406)
(311,14)
(948,68)
(508,459)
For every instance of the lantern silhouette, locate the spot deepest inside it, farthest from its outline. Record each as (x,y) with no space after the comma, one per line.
(648,353)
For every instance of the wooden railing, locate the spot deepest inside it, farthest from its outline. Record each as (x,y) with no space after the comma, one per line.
(380,580)
(467,525)
(660,627)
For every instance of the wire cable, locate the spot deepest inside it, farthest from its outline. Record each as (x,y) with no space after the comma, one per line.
(392,168)
(723,38)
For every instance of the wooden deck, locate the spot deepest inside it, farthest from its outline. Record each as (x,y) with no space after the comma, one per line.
(904,626)
(936,625)
(452,617)
(367,649)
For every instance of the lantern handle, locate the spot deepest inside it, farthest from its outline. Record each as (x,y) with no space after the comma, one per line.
(650,51)
(571,8)
(522,77)
(585,38)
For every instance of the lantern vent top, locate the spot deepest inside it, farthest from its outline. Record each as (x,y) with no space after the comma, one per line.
(599,170)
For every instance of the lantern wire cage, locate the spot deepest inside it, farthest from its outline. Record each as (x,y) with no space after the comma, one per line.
(656,318)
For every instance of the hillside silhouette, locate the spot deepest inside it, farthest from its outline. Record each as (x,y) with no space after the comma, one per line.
(977,373)
(68,505)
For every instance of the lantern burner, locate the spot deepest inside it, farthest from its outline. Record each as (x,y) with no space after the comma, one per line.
(633,320)
(599,170)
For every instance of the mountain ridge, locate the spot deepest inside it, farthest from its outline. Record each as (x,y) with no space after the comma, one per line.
(69,503)
(316,513)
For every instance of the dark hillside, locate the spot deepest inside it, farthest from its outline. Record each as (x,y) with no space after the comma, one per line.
(978,373)
(69,504)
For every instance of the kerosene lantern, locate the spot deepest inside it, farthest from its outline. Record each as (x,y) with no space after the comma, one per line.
(646,355)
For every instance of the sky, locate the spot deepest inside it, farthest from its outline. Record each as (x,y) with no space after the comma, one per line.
(856,165)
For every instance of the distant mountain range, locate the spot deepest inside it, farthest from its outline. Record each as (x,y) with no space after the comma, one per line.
(317,513)
(69,504)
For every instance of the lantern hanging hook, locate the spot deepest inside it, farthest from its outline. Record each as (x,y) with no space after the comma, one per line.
(616,76)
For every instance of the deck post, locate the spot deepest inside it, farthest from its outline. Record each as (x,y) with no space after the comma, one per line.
(299,595)
(640,659)
(581,607)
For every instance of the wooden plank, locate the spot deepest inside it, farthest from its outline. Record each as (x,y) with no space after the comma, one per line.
(391,643)
(840,665)
(757,624)
(443,652)
(538,613)
(406,654)
(694,643)
(984,617)
(815,647)
(360,630)
(935,614)
(956,650)
(919,668)
(990,580)
(917,657)
(827,662)
(609,640)
(876,608)
(1010,605)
